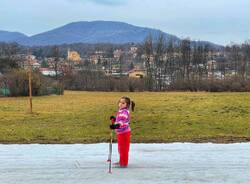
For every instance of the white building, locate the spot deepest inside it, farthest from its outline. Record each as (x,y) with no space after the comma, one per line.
(47,72)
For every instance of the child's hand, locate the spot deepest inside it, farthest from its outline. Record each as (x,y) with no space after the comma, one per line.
(114,126)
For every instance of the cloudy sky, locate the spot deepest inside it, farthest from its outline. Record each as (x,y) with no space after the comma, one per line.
(219,21)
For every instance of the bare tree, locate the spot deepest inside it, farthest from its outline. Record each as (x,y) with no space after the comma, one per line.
(148,50)
(246,59)
(186,57)
(56,63)
(159,68)
(170,63)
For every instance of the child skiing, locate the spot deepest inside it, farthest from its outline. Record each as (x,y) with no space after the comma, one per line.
(122,128)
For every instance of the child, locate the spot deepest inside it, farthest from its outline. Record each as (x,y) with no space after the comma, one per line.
(122,128)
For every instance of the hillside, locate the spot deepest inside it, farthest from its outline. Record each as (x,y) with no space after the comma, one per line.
(6,36)
(91,33)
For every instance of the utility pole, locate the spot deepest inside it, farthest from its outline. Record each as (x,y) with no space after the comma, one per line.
(30,83)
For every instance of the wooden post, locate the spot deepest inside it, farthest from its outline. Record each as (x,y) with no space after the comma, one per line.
(30,85)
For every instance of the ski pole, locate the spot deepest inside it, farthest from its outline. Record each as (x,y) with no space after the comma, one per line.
(110,146)
(110,152)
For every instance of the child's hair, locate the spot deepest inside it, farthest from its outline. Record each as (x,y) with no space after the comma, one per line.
(129,102)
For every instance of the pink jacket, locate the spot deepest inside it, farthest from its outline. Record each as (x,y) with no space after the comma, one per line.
(123,119)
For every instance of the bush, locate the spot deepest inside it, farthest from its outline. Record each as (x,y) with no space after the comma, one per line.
(232,84)
(18,84)
(98,81)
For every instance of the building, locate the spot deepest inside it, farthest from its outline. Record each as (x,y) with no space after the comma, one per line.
(117,53)
(211,65)
(35,65)
(48,72)
(137,73)
(96,59)
(30,60)
(133,51)
(74,56)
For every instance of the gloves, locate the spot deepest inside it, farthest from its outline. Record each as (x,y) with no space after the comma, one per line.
(112,119)
(114,126)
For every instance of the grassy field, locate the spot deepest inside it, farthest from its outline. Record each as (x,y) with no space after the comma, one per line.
(83,117)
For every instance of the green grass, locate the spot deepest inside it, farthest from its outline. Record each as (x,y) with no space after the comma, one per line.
(83,117)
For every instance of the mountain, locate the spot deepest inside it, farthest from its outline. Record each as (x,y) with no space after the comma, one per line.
(93,32)
(6,36)
(90,32)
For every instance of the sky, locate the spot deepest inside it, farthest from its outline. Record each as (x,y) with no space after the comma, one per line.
(218,21)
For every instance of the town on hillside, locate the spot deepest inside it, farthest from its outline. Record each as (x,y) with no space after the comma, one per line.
(148,66)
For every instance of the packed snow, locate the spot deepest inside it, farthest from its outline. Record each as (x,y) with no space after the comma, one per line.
(149,163)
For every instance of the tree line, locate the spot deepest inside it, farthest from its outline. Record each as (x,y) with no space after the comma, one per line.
(15,79)
(170,66)
(191,66)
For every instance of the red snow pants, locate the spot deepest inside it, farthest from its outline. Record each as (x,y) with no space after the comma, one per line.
(123,148)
